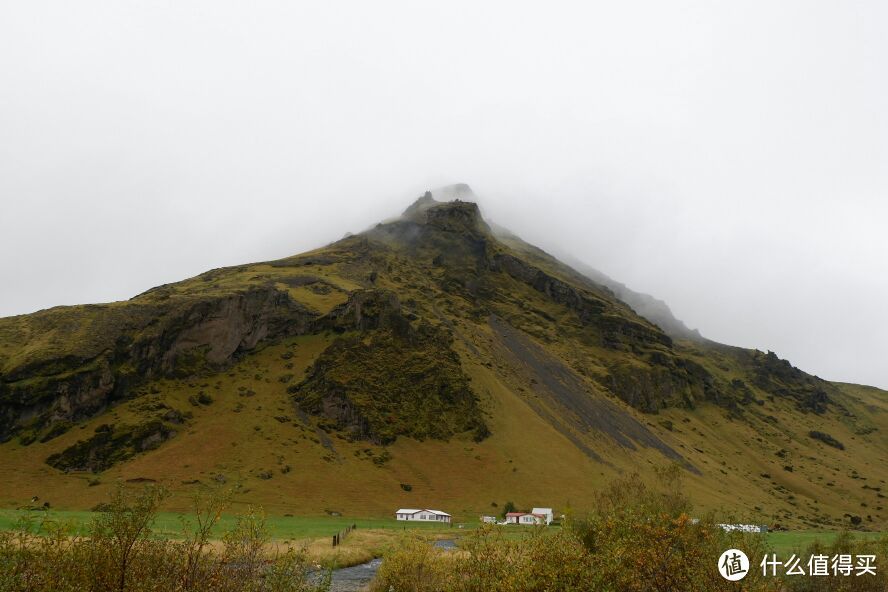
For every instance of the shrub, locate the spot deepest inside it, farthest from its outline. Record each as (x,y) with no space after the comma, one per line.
(826,439)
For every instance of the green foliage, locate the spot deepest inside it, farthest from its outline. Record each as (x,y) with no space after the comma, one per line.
(509,507)
(126,523)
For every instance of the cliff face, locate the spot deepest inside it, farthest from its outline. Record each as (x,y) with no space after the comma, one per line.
(178,337)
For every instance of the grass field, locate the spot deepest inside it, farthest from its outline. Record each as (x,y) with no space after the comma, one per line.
(372,538)
(170,524)
(795,541)
(296,528)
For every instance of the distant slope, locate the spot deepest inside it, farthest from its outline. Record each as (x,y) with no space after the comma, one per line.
(429,361)
(653,309)
(645,305)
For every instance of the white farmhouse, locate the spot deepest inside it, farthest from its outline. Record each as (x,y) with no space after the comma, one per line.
(423,515)
(526,518)
(744,527)
(488,519)
(547,512)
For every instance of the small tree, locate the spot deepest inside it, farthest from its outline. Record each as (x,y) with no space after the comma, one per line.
(208,506)
(245,543)
(127,522)
(508,507)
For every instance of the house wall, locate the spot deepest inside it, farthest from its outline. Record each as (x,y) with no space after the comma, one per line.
(547,512)
(423,516)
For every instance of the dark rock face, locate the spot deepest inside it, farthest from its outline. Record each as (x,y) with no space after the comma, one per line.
(392,380)
(650,389)
(457,216)
(186,337)
(365,310)
(111,444)
(451,216)
(780,378)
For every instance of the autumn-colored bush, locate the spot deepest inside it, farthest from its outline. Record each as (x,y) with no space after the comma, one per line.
(119,553)
(643,538)
(415,565)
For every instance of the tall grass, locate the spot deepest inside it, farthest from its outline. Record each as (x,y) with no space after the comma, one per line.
(120,554)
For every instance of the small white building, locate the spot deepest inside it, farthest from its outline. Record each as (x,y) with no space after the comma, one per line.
(488,519)
(744,527)
(423,515)
(526,518)
(547,512)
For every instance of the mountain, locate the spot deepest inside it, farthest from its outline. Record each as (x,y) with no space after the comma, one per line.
(433,360)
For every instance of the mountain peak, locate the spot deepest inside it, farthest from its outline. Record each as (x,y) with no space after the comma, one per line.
(451,213)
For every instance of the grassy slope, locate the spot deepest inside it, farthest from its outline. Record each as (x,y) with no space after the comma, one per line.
(526,460)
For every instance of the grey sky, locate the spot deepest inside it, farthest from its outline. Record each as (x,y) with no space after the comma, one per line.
(729,158)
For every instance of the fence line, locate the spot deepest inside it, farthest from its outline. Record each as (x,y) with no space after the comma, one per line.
(337,538)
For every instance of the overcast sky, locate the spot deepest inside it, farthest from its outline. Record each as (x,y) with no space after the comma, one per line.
(727,157)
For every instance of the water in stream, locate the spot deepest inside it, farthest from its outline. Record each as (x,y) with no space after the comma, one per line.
(355,578)
(358,577)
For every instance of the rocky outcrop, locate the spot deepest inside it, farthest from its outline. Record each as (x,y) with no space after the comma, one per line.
(778,377)
(451,216)
(187,336)
(390,380)
(110,445)
(673,383)
(365,310)
(209,333)
(457,216)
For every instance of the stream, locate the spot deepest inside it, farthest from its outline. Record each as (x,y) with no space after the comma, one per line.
(358,577)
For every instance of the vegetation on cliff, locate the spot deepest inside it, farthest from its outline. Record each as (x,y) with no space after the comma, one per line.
(388,383)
